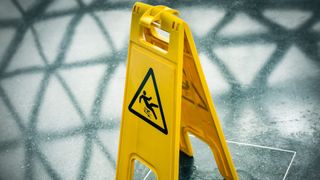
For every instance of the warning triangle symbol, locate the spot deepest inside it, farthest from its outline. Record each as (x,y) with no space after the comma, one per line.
(146,103)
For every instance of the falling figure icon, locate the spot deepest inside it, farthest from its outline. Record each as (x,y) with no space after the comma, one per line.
(150,106)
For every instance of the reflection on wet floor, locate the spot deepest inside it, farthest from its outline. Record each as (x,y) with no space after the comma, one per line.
(62,73)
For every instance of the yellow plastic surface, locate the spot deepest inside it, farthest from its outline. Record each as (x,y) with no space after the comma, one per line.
(166,96)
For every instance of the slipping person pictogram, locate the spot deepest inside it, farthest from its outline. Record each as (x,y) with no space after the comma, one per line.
(150,106)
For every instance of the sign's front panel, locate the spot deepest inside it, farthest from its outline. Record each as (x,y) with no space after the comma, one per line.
(149,114)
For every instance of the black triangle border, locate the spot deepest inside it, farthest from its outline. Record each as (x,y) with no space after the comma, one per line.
(149,73)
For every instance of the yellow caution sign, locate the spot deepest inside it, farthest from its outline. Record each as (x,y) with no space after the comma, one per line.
(166,96)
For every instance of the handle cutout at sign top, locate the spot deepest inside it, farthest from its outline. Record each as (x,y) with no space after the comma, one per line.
(159,41)
(166,97)
(163,34)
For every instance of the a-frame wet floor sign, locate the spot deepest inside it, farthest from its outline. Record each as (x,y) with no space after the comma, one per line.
(166,96)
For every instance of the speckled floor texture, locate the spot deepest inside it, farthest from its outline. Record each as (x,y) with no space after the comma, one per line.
(62,73)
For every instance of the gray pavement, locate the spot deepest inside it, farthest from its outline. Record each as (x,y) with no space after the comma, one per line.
(62,73)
